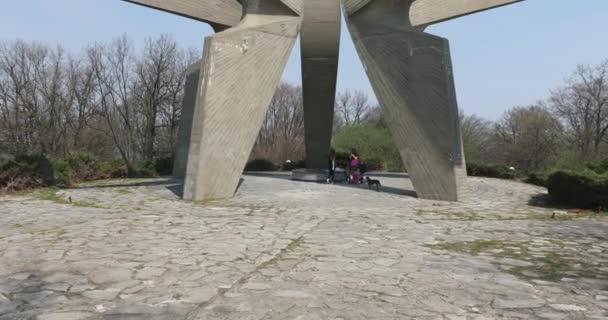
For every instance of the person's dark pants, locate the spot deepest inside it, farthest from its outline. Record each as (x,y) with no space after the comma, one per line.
(331,175)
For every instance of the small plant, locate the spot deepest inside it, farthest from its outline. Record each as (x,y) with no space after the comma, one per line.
(52,194)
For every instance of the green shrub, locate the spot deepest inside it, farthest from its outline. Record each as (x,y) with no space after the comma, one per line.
(539,178)
(32,171)
(145,169)
(62,172)
(260,165)
(25,172)
(5,158)
(599,167)
(289,166)
(584,189)
(374,144)
(164,166)
(491,171)
(375,164)
(81,166)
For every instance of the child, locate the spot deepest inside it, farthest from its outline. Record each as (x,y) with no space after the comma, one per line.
(354,167)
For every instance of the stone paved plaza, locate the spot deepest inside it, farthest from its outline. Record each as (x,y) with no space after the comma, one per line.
(281,249)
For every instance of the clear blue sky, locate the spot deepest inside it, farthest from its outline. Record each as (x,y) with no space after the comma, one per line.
(502,58)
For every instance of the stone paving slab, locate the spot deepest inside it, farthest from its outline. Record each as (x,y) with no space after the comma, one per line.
(130,249)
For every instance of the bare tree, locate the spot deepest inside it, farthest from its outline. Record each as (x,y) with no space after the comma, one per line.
(155,76)
(113,69)
(352,108)
(528,136)
(108,100)
(476,136)
(583,106)
(282,135)
(171,111)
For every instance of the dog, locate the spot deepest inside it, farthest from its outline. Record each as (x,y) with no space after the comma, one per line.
(372,182)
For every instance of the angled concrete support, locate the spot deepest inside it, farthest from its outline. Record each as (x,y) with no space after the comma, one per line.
(241,69)
(180,161)
(320,46)
(219,13)
(427,12)
(411,74)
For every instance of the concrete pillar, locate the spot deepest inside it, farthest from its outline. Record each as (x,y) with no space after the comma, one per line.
(241,69)
(411,74)
(185,126)
(320,47)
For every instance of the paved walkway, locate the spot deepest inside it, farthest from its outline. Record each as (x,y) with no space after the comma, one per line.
(130,249)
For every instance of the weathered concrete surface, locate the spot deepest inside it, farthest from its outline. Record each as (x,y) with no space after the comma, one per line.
(411,74)
(180,162)
(219,13)
(287,250)
(241,70)
(320,46)
(427,12)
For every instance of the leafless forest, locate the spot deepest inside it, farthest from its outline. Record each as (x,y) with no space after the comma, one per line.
(117,102)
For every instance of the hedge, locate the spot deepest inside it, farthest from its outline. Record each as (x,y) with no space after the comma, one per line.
(80,167)
(491,171)
(260,165)
(293,165)
(584,190)
(33,171)
(26,172)
(599,167)
(374,144)
(539,178)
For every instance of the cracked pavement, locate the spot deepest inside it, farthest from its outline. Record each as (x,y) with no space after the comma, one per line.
(290,250)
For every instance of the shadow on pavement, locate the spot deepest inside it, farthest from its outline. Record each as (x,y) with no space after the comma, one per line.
(176,186)
(543,200)
(384,189)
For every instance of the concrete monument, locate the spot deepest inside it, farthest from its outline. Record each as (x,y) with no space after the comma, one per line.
(230,89)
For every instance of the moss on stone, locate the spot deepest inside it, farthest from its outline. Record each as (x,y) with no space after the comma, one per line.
(551,266)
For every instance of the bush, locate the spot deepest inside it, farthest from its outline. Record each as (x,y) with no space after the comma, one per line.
(374,164)
(26,172)
(144,169)
(164,166)
(539,178)
(584,190)
(599,167)
(5,158)
(260,165)
(81,166)
(33,171)
(374,143)
(491,171)
(289,166)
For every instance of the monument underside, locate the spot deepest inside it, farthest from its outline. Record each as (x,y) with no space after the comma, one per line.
(230,89)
